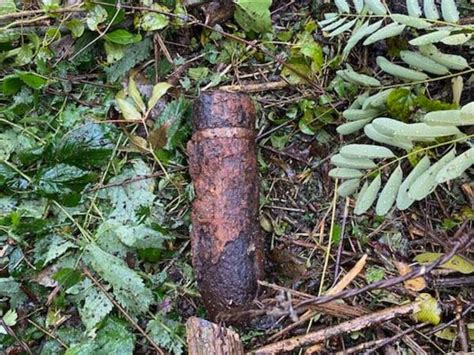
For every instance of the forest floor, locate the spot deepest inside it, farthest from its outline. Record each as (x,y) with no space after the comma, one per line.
(95,195)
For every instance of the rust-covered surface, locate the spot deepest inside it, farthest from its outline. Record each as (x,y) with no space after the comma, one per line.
(227,251)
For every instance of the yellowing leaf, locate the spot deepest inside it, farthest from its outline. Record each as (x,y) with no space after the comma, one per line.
(128,110)
(416,284)
(456,263)
(429,310)
(158,91)
(135,95)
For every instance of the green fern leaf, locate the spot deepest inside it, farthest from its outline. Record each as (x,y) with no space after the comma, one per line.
(364,30)
(449,10)
(366,151)
(392,30)
(451,61)
(399,71)
(376,136)
(357,114)
(413,8)
(430,10)
(376,6)
(352,127)
(423,130)
(342,5)
(410,21)
(352,163)
(420,62)
(345,173)
(348,187)
(429,38)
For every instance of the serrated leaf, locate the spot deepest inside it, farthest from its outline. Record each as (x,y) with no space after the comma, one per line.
(429,38)
(95,308)
(166,333)
(429,310)
(376,6)
(158,91)
(427,183)
(411,21)
(128,287)
(33,80)
(366,151)
(389,192)
(430,9)
(449,10)
(392,30)
(253,15)
(348,187)
(456,263)
(423,130)
(51,247)
(399,71)
(403,199)
(342,5)
(353,163)
(137,236)
(366,199)
(413,8)
(456,167)
(345,173)
(11,289)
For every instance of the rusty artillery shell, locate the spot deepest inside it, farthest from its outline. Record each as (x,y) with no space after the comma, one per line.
(226,245)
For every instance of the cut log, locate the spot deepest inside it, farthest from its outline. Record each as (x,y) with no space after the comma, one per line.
(206,338)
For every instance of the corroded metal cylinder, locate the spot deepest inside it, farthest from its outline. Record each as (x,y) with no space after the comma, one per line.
(226,245)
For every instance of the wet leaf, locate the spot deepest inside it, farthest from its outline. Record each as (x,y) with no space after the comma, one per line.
(122,36)
(254,15)
(429,310)
(456,263)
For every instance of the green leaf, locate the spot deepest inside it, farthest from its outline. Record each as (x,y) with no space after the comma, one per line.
(352,127)
(76,27)
(127,199)
(128,109)
(128,287)
(345,173)
(63,182)
(67,277)
(449,10)
(423,130)
(426,183)
(353,163)
(456,167)
(153,21)
(456,263)
(24,55)
(403,199)
(399,71)
(389,192)
(367,196)
(411,21)
(133,54)
(360,33)
(7,7)
(10,317)
(376,7)
(371,132)
(171,120)
(122,36)
(429,38)
(158,91)
(136,236)
(253,15)
(96,306)
(95,17)
(51,247)
(135,95)
(11,84)
(392,30)
(85,146)
(114,52)
(400,103)
(166,333)
(31,79)
(358,114)
(348,187)
(11,288)
(366,151)
(429,311)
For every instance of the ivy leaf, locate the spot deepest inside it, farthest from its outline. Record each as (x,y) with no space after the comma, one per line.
(400,103)
(85,146)
(254,15)
(122,36)
(127,286)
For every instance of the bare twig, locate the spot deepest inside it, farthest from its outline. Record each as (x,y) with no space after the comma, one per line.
(348,326)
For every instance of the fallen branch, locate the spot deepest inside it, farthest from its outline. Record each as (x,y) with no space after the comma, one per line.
(345,327)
